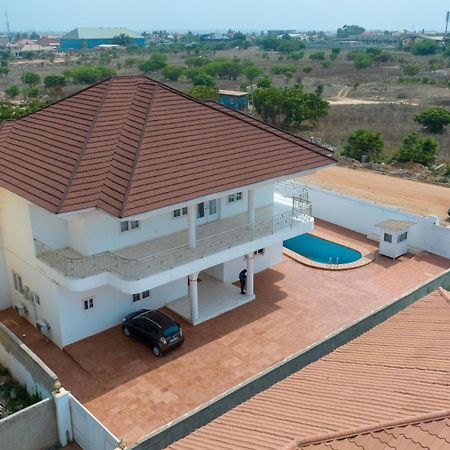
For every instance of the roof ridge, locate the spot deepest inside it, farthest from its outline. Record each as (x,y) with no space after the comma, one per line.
(230,114)
(338,435)
(120,137)
(445,294)
(138,149)
(83,149)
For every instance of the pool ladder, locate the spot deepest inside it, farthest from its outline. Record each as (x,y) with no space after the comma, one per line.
(335,265)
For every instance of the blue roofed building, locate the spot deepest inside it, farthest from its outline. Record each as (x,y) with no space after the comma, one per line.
(233,99)
(82,38)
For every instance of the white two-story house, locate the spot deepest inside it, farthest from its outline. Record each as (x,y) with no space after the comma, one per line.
(130,194)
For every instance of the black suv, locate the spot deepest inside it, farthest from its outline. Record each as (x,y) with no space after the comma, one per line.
(155,327)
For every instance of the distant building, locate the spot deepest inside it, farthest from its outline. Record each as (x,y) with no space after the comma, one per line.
(233,99)
(49,41)
(81,38)
(214,37)
(275,33)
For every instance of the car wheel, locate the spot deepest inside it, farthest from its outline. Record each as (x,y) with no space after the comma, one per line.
(156,350)
(126,331)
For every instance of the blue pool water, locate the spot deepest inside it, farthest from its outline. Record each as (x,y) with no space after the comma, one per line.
(321,250)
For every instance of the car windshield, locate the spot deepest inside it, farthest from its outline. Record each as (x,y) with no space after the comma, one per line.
(169,331)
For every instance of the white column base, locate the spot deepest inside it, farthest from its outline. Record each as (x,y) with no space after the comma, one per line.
(250,273)
(193,296)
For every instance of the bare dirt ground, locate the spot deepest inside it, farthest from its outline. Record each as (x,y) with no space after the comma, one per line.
(420,198)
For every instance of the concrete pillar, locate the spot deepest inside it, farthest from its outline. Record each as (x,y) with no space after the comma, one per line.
(193,296)
(63,417)
(251,206)
(192,225)
(250,274)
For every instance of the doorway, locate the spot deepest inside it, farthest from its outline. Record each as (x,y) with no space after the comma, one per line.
(207,212)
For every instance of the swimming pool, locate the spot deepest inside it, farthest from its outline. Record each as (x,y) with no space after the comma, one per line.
(321,250)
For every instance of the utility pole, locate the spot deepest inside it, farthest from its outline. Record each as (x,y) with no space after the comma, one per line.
(8,31)
(447,18)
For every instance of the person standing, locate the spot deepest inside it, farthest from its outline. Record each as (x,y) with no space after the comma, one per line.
(243,280)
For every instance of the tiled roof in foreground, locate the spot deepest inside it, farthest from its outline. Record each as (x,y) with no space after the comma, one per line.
(129,145)
(396,373)
(430,432)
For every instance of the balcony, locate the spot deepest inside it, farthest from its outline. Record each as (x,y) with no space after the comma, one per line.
(167,252)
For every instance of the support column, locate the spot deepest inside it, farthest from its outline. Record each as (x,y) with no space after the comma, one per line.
(250,274)
(193,296)
(191,225)
(251,206)
(63,417)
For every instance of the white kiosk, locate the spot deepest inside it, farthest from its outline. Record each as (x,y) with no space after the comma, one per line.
(394,237)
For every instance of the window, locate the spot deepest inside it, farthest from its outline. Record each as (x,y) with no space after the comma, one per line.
(128,225)
(18,285)
(259,252)
(141,295)
(36,299)
(387,237)
(402,237)
(88,303)
(235,197)
(180,212)
(212,207)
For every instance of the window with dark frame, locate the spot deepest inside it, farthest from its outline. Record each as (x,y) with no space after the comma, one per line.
(88,303)
(387,237)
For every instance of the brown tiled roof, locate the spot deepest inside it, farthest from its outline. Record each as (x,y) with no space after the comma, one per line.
(431,431)
(128,145)
(394,373)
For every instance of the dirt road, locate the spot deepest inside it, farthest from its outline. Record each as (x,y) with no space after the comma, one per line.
(421,198)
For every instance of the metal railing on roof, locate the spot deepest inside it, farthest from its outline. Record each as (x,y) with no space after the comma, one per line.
(138,268)
(292,189)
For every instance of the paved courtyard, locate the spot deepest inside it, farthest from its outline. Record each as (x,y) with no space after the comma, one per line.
(133,393)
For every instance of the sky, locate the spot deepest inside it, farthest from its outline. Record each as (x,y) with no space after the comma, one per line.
(211,15)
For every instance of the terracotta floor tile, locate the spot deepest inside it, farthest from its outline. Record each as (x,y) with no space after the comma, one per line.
(295,307)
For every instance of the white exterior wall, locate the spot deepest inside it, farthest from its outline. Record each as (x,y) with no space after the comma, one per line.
(228,272)
(16,227)
(110,306)
(363,215)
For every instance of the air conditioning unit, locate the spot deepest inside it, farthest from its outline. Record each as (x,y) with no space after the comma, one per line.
(42,326)
(21,309)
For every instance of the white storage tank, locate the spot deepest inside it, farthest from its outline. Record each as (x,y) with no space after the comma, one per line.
(394,237)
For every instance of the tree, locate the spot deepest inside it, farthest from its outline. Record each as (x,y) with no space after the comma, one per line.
(363,61)
(289,106)
(4,70)
(156,62)
(12,111)
(422,150)
(12,91)
(86,74)
(251,73)
(204,93)
(364,143)
(411,70)
(264,82)
(307,69)
(433,119)
(349,30)
(55,83)
(334,53)
(173,72)
(122,39)
(318,56)
(196,61)
(30,79)
(203,79)
(425,47)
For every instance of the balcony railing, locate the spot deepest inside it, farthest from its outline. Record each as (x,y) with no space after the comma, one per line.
(135,269)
